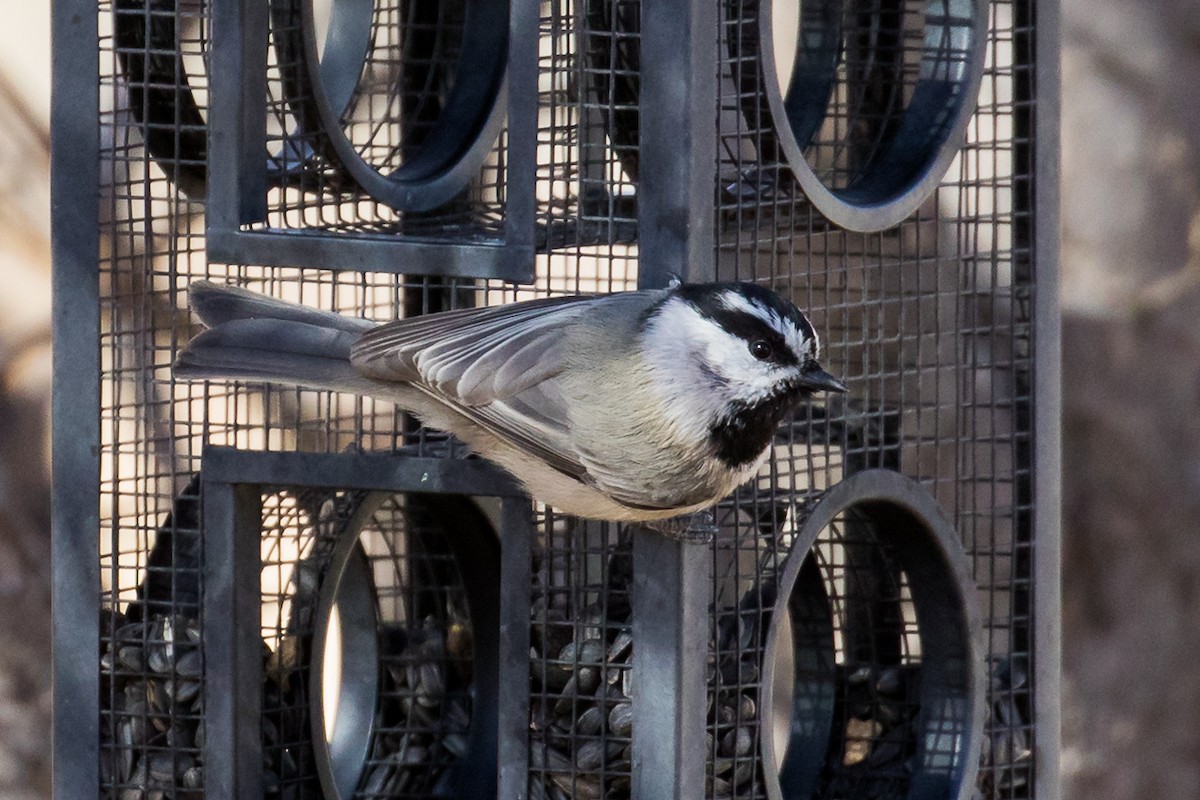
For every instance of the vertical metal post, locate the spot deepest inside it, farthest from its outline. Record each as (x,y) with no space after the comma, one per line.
(232,518)
(672,588)
(237,118)
(75,503)
(1047,404)
(516,527)
(521,161)
(677,141)
(672,592)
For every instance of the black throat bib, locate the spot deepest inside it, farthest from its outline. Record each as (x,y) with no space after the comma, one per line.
(740,436)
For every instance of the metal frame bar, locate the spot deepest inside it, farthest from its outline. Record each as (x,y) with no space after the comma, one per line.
(676,225)
(1047,406)
(231,521)
(237,193)
(516,558)
(75,496)
(521,160)
(678,142)
(366,471)
(672,593)
(237,179)
(676,221)
(233,484)
(376,253)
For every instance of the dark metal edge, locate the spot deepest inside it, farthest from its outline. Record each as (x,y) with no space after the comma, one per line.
(516,531)
(878,216)
(232,652)
(237,180)
(75,399)
(884,486)
(371,472)
(677,142)
(672,593)
(229,245)
(521,181)
(233,481)
(676,237)
(348,587)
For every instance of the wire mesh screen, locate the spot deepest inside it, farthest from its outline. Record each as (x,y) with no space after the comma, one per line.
(582,714)
(294,550)
(152,707)
(370,98)
(928,321)
(395,644)
(587,146)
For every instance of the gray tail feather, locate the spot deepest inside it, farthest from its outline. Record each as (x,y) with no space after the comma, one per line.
(257,338)
(217,304)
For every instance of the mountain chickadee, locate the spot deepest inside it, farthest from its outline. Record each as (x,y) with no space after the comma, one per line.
(636,406)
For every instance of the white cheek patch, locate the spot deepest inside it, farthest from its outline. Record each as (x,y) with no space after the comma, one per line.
(749,379)
(678,332)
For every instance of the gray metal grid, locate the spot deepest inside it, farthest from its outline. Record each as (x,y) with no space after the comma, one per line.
(582,645)
(587,211)
(295,547)
(411,52)
(354,134)
(427,657)
(414,735)
(930,322)
(152,429)
(581,713)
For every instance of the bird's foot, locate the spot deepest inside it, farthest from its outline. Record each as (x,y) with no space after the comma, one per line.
(699,526)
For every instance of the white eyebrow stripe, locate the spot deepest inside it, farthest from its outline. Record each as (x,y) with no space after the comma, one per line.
(791,334)
(736,302)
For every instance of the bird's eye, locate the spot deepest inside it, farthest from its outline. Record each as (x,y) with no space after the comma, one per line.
(760,350)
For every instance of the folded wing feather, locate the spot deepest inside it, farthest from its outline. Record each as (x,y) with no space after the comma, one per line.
(497,365)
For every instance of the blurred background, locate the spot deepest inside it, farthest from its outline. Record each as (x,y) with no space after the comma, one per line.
(1131,325)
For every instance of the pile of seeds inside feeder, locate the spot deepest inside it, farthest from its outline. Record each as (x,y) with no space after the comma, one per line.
(879,738)
(425,712)
(734,764)
(1006,758)
(153,731)
(582,710)
(153,744)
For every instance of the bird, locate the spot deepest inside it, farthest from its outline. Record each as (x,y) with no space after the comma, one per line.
(638,406)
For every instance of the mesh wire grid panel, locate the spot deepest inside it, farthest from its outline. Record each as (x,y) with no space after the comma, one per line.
(389,93)
(154,81)
(412,671)
(929,321)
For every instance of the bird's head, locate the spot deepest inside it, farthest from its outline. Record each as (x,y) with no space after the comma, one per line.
(748,354)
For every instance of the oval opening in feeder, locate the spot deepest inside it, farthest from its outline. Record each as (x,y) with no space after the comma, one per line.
(162,58)
(873,662)
(867,102)
(346,666)
(413,585)
(406,108)
(410,106)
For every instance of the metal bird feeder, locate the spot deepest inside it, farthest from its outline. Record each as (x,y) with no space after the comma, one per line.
(268,592)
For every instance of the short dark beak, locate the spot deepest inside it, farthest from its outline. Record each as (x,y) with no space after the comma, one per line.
(818,380)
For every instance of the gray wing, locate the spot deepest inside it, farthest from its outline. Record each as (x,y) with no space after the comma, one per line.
(473,356)
(497,366)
